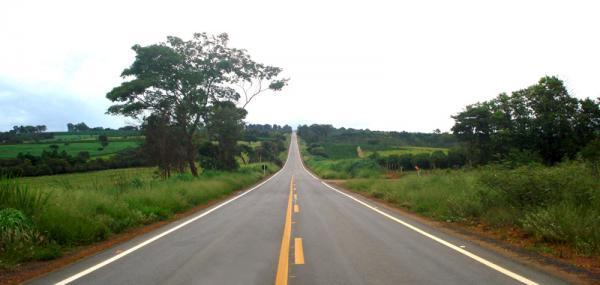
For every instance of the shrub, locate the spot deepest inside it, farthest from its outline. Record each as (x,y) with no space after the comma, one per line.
(14,226)
(534,186)
(566,223)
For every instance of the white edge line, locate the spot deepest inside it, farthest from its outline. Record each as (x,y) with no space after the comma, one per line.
(481,260)
(156,237)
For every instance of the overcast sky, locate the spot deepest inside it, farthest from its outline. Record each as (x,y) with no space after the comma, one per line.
(384,65)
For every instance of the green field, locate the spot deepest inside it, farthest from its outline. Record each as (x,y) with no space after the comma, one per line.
(342,151)
(74,137)
(73,148)
(42,217)
(407,150)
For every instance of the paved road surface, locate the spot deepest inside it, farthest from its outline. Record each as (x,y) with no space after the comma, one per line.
(300,232)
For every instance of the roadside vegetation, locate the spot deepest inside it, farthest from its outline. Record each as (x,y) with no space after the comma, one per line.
(43,217)
(554,205)
(526,162)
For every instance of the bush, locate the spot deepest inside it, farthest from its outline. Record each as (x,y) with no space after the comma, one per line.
(535,186)
(567,224)
(14,226)
(591,155)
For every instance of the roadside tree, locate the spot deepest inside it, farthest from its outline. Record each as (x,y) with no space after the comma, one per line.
(181,81)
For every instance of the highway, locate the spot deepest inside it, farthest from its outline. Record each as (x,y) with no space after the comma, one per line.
(296,229)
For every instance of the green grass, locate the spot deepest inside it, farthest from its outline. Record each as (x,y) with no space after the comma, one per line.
(87,137)
(11,151)
(65,211)
(340,168)
(556,205)
(344,151)
(407,150)
(444,195)
(345,168)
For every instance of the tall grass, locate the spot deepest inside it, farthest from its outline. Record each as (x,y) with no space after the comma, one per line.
(15,195)
(78,209)
(345,168)
(559,205)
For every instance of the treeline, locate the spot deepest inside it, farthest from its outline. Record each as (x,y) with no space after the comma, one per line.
(455,158)
(542,123)
(216,146)
(24,133)
(327,133)
(253,132)
(162,147)
(83,127)
(52,162)
(29,133)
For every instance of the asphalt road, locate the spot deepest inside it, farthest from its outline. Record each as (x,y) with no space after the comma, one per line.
(295,229)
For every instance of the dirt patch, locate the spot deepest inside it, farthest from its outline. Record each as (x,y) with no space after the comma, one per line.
(30,270)
(514,243)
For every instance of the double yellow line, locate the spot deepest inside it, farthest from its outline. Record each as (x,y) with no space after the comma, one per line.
(281,277)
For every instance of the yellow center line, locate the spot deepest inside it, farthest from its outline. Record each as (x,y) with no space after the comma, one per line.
(284,253)
(298,251)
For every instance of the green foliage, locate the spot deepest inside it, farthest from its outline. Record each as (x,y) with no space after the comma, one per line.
(591,155)
(371,140)
(14,226)
(21,197)
(54,162)
(559,204)
(186,83)
(225,125)
(73,148)
(21,241)
(539,186)
(85,208)
(542,119)
(345,168)
(441,195)
(103,139)
(566,223)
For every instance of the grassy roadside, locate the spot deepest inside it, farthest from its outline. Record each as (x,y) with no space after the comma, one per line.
(43,217)
(343,168)
(552,207)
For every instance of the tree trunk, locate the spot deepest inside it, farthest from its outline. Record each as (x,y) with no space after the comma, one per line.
(191,155)
(193,168)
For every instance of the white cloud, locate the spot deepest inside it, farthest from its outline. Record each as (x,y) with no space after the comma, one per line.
(390,65)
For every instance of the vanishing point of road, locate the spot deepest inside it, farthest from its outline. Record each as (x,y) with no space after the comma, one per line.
(295,229)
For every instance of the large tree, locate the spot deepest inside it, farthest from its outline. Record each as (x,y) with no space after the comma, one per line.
(181,80)
(542,119)
(225,125)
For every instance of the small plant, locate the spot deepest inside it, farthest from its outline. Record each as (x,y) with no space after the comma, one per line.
(14,226)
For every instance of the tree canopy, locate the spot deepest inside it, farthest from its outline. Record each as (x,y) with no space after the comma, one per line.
(181,80)
(542,120)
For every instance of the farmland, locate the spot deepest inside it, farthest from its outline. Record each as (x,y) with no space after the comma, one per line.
(72,148)
(72,143)
(341,161)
